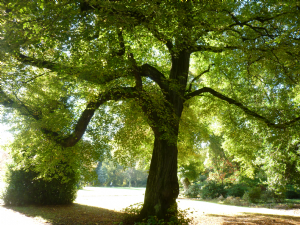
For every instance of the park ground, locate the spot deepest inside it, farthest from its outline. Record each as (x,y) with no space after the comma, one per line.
(105,206)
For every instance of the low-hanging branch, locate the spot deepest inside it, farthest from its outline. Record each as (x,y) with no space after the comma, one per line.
(86,116)
(241,106)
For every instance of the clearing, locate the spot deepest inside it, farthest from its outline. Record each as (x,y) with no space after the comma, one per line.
(96,205)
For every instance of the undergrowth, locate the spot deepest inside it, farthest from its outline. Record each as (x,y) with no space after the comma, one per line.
(176,217)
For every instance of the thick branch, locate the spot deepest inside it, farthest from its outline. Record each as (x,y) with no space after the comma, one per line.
(40,63)
(155,75)
(83,121)
(55,67)
(213,48)
(241,106)
(87,114)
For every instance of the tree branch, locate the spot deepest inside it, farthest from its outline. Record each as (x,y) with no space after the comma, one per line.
(197,77)
(83,121)
(40,63)
(87,114)
(19,105)
(155,75)
(241,106)
(55,67)
(131,13)
(121,43)
(213,48)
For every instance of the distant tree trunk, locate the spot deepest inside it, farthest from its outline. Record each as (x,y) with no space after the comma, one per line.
(186,183)
(129,182)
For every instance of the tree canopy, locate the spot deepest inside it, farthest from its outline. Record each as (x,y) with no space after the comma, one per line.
(167,75)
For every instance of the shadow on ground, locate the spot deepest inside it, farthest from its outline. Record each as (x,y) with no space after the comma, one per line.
(73,214)
(256,218)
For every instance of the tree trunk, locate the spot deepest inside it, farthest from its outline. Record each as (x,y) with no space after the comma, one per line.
(186,184)
(162,184)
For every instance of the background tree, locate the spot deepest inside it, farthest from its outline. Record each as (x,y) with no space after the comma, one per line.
(63,63)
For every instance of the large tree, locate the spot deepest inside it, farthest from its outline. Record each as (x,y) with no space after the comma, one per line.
(62,62)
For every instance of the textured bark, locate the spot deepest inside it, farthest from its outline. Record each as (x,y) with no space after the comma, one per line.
(162,184)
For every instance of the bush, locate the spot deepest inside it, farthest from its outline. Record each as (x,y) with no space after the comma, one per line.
(176,216)
(193,191)
(212,190)
(233,201)
(236,190)
(254,194)
(24,188)
(292,194)
(267,196)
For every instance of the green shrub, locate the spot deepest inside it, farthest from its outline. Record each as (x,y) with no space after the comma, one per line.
(178,217)
(237,190)
(292,194)
(254,194)
(24,188)
(193,191)
(267,196)
(212,190)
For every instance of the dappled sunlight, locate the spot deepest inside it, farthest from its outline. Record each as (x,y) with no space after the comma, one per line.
(104,205)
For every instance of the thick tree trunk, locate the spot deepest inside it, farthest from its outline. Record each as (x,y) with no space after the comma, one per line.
(162,184)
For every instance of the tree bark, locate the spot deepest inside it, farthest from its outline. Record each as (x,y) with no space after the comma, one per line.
(162,184)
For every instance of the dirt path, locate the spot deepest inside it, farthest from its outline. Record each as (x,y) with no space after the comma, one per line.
(115,200)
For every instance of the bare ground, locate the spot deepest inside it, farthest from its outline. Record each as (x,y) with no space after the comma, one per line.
(104,206)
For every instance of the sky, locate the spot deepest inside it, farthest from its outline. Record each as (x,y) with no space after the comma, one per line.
(5,136)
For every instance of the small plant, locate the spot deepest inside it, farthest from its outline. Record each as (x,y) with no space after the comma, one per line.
(231,200)
(175,216)
(246,197)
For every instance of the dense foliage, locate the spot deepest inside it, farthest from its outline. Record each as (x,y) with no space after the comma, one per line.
(114,175)
(154,80)
(25,187)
